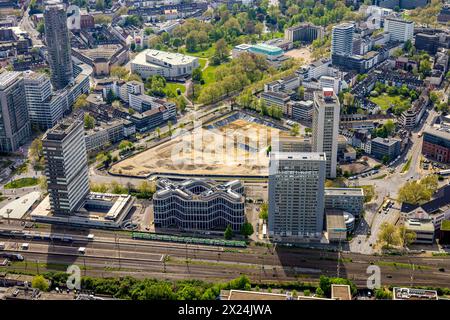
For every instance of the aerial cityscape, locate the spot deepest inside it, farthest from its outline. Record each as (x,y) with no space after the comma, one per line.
(224,150)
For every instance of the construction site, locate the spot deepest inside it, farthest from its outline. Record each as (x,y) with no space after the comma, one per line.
(235,145)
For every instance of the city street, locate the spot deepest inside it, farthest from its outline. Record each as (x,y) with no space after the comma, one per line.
(387,188)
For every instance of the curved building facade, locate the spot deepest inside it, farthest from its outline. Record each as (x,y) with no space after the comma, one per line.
(199,205)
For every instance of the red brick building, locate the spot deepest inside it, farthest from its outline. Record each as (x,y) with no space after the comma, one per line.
(436,145)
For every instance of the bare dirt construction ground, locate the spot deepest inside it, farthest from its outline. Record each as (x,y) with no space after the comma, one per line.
(353,168)
(303,53)
(238,148)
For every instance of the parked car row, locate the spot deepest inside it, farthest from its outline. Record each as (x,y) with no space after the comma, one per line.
(364,174)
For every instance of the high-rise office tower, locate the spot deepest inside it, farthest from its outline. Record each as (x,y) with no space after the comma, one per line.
(325,127)
(342,39)
(58,44)
(15,127)
(45,107)
(296,194)
(66,169)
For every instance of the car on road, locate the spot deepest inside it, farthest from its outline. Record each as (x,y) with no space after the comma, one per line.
(359,241)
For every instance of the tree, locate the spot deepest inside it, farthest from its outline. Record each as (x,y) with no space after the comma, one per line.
(349,99)
(181,104)
(146,189)
(177,42)
(425,67)
(42,181)
(397,53)
(102,19)
(418,192)
(301,92)
(407,236)
(39,282)
(435,96)
(389,235)
(99,5)
(228,234)
(169,124)
(191,41)
(407,46)
(295,130)
(125,145)
(40,28)
(81,102)
(155,85)
(35,150)
(221,52)
(89,121)
(158,132)
(134,77)
(264,211)
(119,72)
(383,294)
(389,127)
(197,74)
(247,229)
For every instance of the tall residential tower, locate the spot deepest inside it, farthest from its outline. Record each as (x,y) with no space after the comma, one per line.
(342,39)
(325,127)
(58,44)
(66,169)
(296,194)
(15,127)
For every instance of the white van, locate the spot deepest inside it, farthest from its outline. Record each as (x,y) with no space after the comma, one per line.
(2,246)
(25,246)
(90,237)
(81,250)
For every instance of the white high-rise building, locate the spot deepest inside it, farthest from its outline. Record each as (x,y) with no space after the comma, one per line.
(66,169)
(325,127)
(296,194)
(45,108)
(399,29)
(342,39)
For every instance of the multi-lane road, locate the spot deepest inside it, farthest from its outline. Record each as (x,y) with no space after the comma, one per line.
(114,254)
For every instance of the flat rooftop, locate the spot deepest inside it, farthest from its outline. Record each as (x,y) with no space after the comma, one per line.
(261,296)
(441,133)
(341,292)
(100,209)
(7,78)
(386,141)
(344,192)
(163,56)
(420,225)
(311,156)
(18,208)
(335,220)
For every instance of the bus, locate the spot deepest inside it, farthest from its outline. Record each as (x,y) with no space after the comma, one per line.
(444,172)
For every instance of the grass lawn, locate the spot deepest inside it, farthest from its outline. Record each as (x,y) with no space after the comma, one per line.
(407,165)
(202,62)
(385,100)
(21,183)
(172,87)
(209,74)
(208,53)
